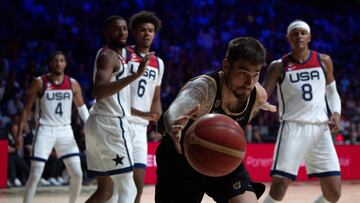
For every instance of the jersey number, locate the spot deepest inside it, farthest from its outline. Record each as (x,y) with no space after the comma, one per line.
(307,92)
(58,109)
(141,89)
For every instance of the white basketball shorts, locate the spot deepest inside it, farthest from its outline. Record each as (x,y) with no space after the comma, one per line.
(311,143)
(48,137)
(108,145)
(138,134)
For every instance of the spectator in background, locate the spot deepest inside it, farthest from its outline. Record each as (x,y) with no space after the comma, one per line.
(18,169)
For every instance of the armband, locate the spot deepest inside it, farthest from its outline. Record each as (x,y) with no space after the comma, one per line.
(333,98)
(83,112)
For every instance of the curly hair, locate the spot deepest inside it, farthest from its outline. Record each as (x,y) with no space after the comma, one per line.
(145,17)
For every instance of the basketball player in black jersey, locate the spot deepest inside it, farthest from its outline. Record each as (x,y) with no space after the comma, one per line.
(233,91)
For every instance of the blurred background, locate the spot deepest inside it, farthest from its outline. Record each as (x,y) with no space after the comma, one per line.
(193,40)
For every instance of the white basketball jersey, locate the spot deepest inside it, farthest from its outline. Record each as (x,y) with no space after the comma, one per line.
(143,88)
(117,104)
(53,107)
(301,92)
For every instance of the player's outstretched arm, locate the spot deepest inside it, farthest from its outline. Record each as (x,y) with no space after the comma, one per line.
(188,102)
(32,92)
(106,63)
(79,100)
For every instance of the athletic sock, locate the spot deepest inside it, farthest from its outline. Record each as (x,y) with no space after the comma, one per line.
(269,199)
(321,199)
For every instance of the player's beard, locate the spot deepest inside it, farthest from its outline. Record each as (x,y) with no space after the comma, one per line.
(240,95)
(57,72)
(119,43)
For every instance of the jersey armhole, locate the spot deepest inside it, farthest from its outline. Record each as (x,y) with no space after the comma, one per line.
(282,65)
(71,85)
(41,93)
(320,62)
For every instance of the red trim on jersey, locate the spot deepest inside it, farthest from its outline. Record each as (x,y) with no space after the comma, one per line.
(135,57)
(49,85)
(290,64)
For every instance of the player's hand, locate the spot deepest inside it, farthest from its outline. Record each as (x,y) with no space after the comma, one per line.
(144,63)
(179,125)
(151,116)
(334,122)
(19,141)
(268,107)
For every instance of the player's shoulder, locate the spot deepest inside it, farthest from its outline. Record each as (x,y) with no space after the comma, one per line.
(276,63)
(72,80)
(37,83)
(201,81)
(107,53)
(324,57)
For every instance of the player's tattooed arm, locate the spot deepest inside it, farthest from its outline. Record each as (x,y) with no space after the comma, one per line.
(190,100)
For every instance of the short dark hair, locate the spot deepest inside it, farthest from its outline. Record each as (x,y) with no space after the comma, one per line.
(109,20)
(55,53)
(145,17)
(247,48)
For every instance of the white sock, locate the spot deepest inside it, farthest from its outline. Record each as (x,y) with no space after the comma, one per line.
(125,186)
(74,168)
(321,199)
(269,199)
(36,171)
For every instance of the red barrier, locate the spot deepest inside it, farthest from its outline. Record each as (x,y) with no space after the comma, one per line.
(3,163)
(259,158)
(150,175)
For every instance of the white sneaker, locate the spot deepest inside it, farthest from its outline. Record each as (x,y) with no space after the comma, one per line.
(9,184)
(17,182)
(61,180)
(44,182)
(54,182)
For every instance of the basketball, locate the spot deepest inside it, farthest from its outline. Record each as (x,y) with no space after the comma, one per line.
(215,145)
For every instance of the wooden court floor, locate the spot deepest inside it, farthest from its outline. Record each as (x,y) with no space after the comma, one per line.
(299,192)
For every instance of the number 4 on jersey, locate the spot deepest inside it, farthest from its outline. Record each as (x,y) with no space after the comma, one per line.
(58,109)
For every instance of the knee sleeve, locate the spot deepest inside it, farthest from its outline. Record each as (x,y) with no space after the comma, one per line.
(36,171)
(74,168)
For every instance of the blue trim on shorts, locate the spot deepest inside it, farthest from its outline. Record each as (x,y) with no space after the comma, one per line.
(38,159)
(69,155)
(111,172)
(35,136)
(123,136)
(325,174)
(139,165)
(282,125)
(282,173)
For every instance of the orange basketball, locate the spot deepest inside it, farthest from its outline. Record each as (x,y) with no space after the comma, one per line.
(215,145)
